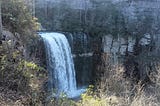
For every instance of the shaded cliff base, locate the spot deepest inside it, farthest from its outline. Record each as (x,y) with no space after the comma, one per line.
(129,90)
(113,88)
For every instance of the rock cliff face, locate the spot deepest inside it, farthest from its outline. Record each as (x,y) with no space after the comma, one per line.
(81,46)
(13,41)
(120,45)
(139,59)
(128,51)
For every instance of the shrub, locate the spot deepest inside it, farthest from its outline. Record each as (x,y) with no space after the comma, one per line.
(18,19)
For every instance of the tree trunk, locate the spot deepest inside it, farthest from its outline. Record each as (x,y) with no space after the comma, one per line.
(33,8)
(0,22)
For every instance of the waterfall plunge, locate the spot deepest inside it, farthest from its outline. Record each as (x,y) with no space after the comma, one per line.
(60,65)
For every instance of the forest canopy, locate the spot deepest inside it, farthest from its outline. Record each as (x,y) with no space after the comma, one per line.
(99,18)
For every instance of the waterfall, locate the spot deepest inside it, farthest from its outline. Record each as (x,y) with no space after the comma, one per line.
(60,65)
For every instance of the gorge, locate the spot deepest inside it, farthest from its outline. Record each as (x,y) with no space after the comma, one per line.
(79,53)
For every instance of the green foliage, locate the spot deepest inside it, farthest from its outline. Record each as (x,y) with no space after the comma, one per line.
(18,19)
(11,74)
(14,68)
(18,74)
(62,101)
(89,98)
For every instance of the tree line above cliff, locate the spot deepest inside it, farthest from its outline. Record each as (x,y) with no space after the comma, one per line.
(100,18)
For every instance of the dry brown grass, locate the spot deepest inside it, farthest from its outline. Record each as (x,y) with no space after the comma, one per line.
(112,90)
(126,91)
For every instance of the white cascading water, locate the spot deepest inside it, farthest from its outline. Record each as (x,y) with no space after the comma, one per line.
(60,65)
